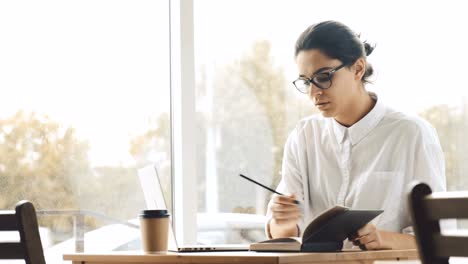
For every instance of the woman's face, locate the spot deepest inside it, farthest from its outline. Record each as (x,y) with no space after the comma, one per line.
(338,99)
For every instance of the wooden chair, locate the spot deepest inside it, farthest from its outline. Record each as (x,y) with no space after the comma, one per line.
(427,209)
(23,220)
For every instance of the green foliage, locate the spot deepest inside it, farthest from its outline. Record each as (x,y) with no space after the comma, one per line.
(155,139)
(154,147)
(268,83)
(39,162)
(450,122)
(258,72)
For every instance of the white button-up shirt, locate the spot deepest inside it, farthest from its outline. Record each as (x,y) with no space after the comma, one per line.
(366,166)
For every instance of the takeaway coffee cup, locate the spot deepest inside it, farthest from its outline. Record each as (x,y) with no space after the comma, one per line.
(154,227)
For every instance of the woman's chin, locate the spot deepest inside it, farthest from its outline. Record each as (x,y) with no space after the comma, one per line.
(326,113)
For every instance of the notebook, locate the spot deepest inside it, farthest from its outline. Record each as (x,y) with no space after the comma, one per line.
(325,233)
(154,199)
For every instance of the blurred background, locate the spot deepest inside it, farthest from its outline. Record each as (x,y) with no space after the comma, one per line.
(85,103)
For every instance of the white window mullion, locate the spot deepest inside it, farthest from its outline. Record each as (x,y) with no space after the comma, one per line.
(183,120)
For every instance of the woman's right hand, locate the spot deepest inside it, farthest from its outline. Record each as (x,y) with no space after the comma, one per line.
(285,215)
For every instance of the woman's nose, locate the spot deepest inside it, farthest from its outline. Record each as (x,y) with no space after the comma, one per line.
(314,91)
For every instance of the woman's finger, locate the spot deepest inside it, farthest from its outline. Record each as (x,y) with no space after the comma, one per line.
(284,200)
(372,245)
(284,208)
(367,229)
(367,239)
(283,215)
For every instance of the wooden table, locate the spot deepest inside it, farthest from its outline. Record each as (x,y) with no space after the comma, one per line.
(347,257)
(398,262)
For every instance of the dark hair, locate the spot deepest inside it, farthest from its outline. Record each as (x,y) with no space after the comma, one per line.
(337,41)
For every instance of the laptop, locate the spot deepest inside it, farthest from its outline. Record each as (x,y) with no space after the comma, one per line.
(154,199)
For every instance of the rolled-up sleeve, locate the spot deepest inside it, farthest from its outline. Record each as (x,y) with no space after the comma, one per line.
(429,164)
(291,180)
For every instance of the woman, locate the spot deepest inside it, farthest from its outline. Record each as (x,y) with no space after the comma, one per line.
(358,153)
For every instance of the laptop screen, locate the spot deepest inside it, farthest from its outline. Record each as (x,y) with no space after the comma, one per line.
(154,196)
(154,199)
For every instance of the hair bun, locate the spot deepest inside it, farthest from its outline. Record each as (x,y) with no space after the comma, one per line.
(368,48)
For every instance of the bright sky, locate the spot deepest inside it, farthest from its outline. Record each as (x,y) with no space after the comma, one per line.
(421,45)
(102,66)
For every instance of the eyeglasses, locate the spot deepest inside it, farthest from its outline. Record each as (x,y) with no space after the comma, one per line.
(322,80)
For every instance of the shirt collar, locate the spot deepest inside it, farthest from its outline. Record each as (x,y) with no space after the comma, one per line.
(360,129)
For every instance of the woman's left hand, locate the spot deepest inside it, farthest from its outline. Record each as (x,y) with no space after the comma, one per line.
(368,238)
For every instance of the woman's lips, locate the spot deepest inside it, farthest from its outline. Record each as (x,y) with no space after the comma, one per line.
(322,105)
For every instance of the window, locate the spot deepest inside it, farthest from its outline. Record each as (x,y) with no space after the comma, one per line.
(85,103)
(247,105)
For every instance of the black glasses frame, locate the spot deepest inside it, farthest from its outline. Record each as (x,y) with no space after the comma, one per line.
(311,80)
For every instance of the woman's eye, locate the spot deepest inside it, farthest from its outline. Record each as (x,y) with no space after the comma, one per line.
(321,78)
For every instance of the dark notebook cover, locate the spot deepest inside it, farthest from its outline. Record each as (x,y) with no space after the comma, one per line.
(340,226)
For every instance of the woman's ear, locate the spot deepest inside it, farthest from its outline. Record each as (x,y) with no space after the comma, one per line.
(360,69)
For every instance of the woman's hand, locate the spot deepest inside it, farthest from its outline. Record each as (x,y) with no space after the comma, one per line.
(369,237)
(285,215)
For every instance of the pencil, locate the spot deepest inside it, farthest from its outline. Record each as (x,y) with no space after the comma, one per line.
(266,187)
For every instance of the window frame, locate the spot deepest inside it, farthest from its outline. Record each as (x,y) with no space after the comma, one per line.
(183,140)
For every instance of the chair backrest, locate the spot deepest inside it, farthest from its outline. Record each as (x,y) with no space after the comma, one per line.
(427,209)
(23,220)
